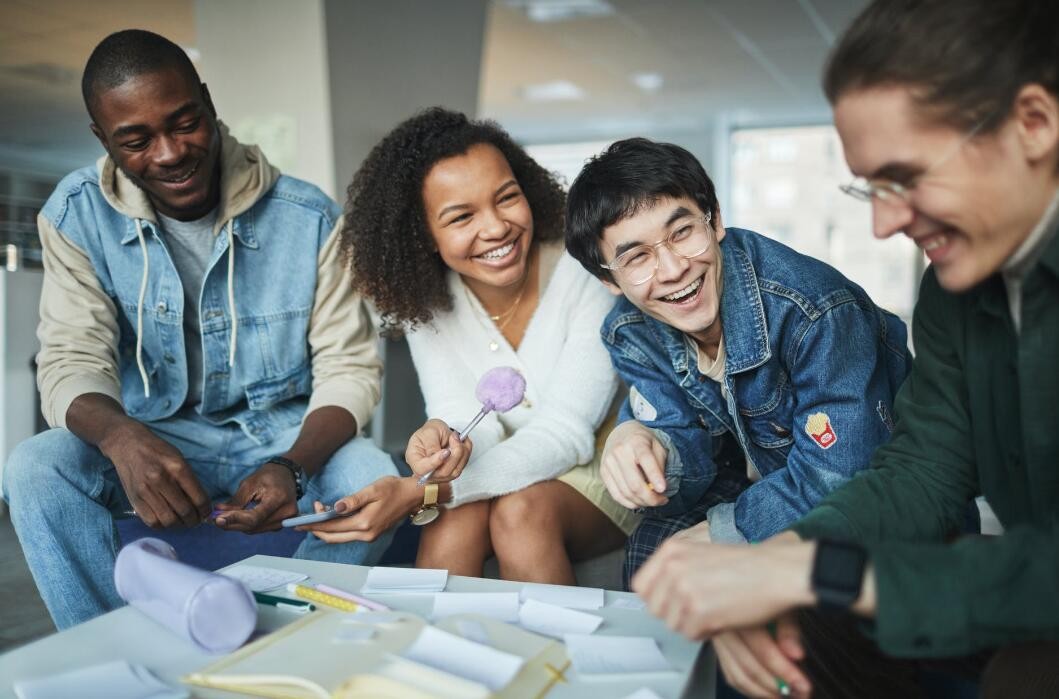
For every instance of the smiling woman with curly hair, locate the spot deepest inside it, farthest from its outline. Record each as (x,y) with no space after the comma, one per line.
(397,264)
(455,234)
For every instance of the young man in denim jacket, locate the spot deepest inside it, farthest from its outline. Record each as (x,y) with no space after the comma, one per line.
(724,337)
(199,339)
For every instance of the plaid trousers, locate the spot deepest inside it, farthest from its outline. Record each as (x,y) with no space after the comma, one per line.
(731,480)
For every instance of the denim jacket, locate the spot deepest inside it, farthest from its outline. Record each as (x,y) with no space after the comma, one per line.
(277,227)
(811,372)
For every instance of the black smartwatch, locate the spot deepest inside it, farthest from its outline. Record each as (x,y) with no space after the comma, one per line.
(296,472)
(838,573)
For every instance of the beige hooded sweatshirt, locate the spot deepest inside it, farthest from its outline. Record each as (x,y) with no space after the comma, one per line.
(78,328)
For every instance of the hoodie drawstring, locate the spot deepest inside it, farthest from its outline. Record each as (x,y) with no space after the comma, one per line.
(139,311)
(143,294)
(231,296)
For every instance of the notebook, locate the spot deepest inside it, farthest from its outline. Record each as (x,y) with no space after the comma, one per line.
(303,660)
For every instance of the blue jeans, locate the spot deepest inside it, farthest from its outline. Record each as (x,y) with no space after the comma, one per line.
(64,495)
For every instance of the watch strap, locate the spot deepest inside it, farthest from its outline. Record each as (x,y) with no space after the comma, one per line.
(430,495)
(838,573)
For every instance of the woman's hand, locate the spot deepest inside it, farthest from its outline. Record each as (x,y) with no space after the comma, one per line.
(436,447)
(375,509)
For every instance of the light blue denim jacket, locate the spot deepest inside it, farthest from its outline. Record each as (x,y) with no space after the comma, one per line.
(278,229)
(801,340)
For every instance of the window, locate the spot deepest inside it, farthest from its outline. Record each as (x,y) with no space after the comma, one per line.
(784,184)
(566,159)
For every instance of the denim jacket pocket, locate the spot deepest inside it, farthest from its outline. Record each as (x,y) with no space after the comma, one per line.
(266,393)
(768,432)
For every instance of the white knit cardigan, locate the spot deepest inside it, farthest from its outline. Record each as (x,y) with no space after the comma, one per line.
(570,382)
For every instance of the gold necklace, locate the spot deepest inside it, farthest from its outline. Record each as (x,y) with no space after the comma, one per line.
(498,324)
(510,312)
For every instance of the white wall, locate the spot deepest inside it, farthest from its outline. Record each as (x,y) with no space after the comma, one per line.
(19,301)
(264,62)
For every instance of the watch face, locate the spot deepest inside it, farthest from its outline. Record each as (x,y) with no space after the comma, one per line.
(425,516)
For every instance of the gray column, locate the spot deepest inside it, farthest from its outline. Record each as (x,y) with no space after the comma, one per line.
(317,83)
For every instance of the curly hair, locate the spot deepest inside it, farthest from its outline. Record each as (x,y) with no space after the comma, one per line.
(385,237)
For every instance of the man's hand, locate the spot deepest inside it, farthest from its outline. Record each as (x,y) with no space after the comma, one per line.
(161,486)
(272,488)
(436,447)
(633,466)
(700,533)
(753,661)
(376,508)
(701,590)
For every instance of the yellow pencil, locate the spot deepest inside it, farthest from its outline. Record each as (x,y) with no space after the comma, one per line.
(323,598)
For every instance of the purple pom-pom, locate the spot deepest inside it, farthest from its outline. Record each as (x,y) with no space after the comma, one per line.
(500,389)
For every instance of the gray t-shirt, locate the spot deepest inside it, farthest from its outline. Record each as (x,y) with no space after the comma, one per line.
(191,245)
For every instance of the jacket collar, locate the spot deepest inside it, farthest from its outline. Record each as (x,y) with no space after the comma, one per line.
(1050,256)
(991,294)
(746,336)
(745,329)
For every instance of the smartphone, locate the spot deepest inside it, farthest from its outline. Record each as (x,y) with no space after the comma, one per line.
(313,518)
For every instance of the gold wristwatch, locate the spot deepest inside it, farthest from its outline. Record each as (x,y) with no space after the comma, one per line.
(429,511)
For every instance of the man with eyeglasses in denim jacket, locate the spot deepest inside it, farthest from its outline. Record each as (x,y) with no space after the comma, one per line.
(759,379)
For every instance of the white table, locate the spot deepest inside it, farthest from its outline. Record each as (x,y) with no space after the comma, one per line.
(127,634)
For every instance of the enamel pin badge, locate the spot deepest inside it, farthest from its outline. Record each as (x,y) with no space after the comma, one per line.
(818,426)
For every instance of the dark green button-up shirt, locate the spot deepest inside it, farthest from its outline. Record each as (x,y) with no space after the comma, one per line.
(978,415)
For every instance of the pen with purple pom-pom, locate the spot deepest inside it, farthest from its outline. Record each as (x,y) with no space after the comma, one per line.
(500,389)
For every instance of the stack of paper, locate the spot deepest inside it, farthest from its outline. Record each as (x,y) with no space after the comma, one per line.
(556,621)
(261,579)
(606,655)
(458,656)
(564,596)
(502,606)
(383,581)
(114,680)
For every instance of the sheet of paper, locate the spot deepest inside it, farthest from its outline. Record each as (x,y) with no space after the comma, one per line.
(458,656)
(261,579)
(397,580)
(473,631)
(644,693)
(628,603)
(606,655)
(502,606)
(351,634)
(114,680)
(556,621)
(564,595)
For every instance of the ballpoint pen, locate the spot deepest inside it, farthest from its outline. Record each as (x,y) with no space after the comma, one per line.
(294,605)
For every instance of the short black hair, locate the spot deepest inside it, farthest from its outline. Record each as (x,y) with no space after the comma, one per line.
(126,54)
(621,181)
(966,60)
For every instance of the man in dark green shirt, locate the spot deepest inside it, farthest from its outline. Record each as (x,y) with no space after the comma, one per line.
(948,111)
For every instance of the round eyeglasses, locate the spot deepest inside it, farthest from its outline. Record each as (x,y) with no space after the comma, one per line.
(894,193)
(689,238)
